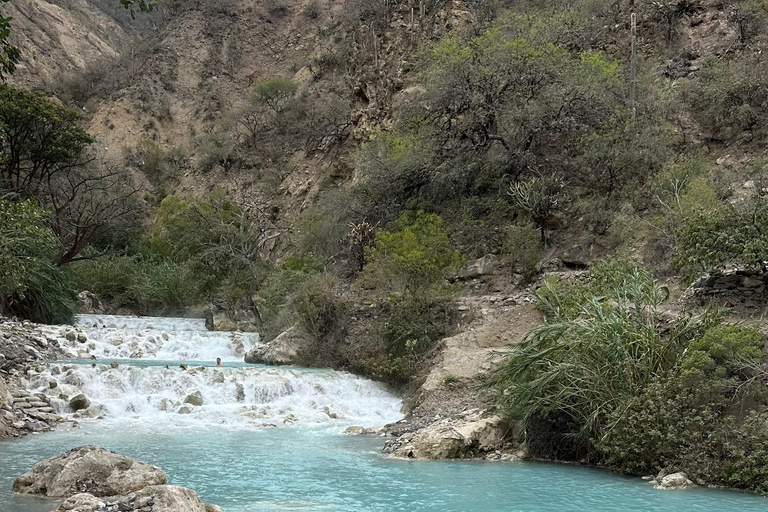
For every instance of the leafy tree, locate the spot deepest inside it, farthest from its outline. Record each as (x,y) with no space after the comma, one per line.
(86,206)
(9,54)
(729,97)
(219,237)
(38,140)
(44,154)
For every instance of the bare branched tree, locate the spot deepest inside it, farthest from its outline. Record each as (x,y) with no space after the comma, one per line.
(85,204)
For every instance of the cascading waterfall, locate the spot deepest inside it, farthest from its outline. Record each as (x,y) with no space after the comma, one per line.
(170,339)
(138,376)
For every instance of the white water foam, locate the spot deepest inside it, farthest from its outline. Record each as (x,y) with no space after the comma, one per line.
(154,338)
(248,397)
(144,391)
(141,322)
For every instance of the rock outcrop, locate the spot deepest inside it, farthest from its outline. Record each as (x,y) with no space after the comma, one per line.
(225,316)
(88,469)
(740,289)
(89,302)
(484,266)
(280,351)
(451,438)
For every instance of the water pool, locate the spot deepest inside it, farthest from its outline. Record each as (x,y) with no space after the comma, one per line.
(322,469)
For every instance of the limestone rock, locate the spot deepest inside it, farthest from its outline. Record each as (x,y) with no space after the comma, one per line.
(89,303)
(484,266)
(222,323)
(82,502)
(6,398)
(195,398)
(231,316)
(79,402)
(453,439)
(280,351)
(674,481)
(158,498)
(90,469)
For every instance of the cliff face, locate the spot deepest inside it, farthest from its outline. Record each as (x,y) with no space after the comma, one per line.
(58,38)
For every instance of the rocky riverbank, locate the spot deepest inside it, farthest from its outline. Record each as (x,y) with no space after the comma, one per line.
(91,478)
(24,350)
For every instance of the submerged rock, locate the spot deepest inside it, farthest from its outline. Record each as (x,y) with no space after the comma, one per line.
(674,481)
(90,469)
(280,351)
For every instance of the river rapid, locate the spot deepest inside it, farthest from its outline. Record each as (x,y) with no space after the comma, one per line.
(257,438)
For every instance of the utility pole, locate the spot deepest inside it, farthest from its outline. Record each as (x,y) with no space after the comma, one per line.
(633,72)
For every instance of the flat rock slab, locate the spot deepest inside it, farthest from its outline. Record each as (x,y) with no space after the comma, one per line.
(159,498)
(88,469)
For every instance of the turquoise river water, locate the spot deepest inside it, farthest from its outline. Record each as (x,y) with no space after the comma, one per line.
(271,439)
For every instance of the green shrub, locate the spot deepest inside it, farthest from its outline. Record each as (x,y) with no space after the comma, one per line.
(318,310)
(212,235)
(522,243)
(275,93)
(611,279)
(701,417)
(732,233)
(31,285)
(415,255)
(278,291)
(142,285)
(409,330)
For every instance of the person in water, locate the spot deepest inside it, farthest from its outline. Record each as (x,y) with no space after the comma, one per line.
(218,362)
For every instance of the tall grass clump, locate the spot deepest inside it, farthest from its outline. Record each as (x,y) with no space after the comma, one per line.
(31,285)
(563,381)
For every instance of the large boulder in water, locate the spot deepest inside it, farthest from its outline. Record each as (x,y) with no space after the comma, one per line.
(452,439)
(281,350)
(79,402)
(159,498)
(88,469)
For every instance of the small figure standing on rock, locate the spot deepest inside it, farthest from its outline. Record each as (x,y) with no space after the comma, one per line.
(218,362)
